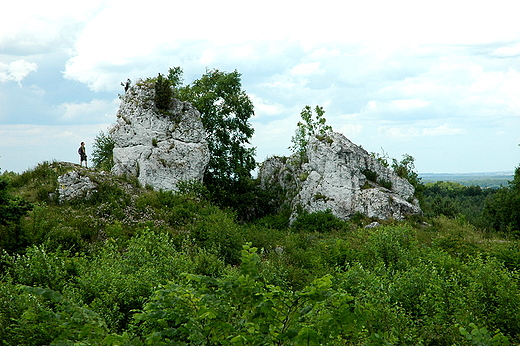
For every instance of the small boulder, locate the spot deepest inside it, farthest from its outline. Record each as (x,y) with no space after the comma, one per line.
(75,185)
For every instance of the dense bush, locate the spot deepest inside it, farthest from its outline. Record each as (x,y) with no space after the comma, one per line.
(503,209)
(163,93)
(320,221)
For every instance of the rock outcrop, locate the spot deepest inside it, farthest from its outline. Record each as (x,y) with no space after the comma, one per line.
(75,185)
(160,148)
(82,184)
(340,176)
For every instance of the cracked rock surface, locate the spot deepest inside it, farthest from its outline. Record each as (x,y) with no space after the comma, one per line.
(339,176)
(160,148)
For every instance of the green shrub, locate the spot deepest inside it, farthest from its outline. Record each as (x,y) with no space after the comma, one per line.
(163,93)
(103,152)
(24,318)
(481,336)
(370,175)
(320,221)
(40,183)
(218,232)
(40,267)
(119,278)
(242,308)
(392,246)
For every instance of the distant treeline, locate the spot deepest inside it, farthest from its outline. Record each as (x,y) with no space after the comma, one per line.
(484,180)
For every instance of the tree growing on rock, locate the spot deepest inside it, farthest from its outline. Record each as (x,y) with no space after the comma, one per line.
(163,93)
(308,127)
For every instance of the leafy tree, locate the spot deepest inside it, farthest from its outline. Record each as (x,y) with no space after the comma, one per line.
(175,77)
(225,110)
(406,169)
(103,152)
(503,209)
(308,128)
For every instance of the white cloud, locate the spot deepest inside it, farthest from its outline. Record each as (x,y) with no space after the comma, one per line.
(507,51)
(264,107)
(16,71)
(410,131)
(350,130)
(408,104)
(122,33)
(307,69)
(442,130)
(95,110)
(273,138)
(39,26)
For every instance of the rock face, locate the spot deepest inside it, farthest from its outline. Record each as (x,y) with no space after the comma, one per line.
(159,148)
(340,176)
(75,185)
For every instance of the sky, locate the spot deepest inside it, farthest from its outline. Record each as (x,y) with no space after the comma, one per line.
(437,80)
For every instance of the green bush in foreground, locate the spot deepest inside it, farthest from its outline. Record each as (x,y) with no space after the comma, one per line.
(391,293)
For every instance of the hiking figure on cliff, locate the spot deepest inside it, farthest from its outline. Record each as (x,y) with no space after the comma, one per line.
(127,84)
(82,154)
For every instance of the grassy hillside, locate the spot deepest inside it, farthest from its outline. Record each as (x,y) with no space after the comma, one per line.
(133,266)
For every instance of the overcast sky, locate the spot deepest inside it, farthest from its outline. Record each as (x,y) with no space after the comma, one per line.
(438,80)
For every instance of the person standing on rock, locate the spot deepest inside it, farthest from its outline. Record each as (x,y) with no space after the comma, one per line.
(82,154)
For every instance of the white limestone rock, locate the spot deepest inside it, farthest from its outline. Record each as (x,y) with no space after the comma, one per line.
(160,149)
(75,185)
(339,175)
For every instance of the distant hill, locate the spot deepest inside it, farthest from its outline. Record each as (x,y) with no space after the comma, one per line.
(486,179)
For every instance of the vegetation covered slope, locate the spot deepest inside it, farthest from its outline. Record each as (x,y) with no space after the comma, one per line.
(142,267)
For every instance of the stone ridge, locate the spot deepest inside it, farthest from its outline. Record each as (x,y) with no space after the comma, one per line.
(340,176)
(160,148)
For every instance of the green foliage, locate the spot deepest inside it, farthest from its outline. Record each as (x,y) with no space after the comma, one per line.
(373,177)
(482,337)
(103,152)
(320,221)
(117,280)
(42,268)
(39,184)
(175,77)
(502,210)
(451,199)
(225,109)
(242,309)
(113,271)
(308,128)
(406,169)
(163,93)
(12,209)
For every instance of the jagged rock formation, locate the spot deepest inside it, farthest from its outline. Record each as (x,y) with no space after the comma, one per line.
(340,176)
(159,148)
